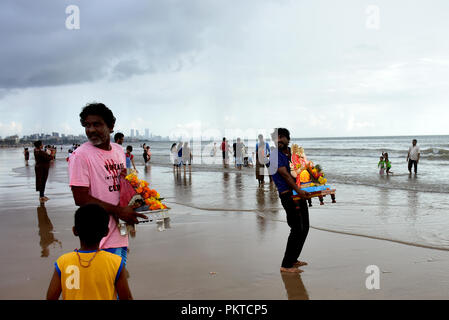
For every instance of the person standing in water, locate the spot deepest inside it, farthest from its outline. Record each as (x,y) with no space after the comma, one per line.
(262,154)
(187,157)
(130,159)
(224,152)
(174,156)
(387,164)
(297,214)
(381,165)
(413,157)
(239,154)
(41,168)
(26,154)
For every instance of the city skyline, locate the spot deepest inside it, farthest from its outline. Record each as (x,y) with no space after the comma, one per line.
(56,135)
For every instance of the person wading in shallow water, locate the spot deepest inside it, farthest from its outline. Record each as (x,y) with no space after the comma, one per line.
(297,214)
(413,157)
(41,168)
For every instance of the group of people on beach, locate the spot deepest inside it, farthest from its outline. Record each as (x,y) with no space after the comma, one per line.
(239,151)
(181,155)
(97,270)
(130,165)
(412,159)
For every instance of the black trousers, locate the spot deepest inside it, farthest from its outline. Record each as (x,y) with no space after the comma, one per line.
(413,163)
(41,179)
(298,221)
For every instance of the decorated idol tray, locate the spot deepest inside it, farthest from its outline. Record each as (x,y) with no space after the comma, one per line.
(309,177)
(316,191)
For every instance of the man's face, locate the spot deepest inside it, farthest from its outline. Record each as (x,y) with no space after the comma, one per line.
(96,130)
(283,142)
(414,142)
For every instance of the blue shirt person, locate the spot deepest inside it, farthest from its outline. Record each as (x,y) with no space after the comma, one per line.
(297,213)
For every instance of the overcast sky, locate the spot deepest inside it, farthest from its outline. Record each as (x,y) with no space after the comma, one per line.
(319,68)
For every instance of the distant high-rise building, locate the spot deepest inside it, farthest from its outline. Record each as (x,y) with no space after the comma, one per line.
(137,134)
(132,133)
(147,133)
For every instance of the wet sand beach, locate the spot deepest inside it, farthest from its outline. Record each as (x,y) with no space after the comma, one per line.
(226,241)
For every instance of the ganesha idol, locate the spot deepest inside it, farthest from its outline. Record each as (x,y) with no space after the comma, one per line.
(308,176)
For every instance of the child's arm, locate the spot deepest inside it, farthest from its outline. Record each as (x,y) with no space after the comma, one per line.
(132,160)
(54,289)
(122,286)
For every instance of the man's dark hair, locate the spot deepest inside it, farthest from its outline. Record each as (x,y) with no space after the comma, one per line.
(129,148)
(98,109)
(118,136)
(91,223)
(37,144)
(281,132)
(224,139)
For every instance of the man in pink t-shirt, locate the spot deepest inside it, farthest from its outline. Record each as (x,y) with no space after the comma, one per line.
(94,170)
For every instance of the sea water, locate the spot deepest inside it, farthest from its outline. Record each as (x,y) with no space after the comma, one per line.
(402,208)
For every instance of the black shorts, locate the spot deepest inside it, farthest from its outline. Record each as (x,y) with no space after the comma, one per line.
(413,163)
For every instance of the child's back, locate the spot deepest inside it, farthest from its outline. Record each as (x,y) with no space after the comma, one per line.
(89,275)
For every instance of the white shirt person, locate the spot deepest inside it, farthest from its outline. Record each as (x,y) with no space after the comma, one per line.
(413,156)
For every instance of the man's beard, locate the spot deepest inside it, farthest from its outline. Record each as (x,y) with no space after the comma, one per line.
(282,146)
(95,140)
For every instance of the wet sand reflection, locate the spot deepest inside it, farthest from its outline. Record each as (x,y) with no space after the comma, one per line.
(266,212)
(46,234)
(294,286)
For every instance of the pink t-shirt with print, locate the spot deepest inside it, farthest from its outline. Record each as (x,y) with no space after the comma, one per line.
(99,170)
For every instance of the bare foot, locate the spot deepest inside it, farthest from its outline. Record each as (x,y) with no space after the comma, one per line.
(291,270)
(300,264)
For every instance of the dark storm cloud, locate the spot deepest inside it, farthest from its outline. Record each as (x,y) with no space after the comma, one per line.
(116,38)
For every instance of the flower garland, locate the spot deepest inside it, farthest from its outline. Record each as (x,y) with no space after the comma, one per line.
(317,174)
(150,196)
